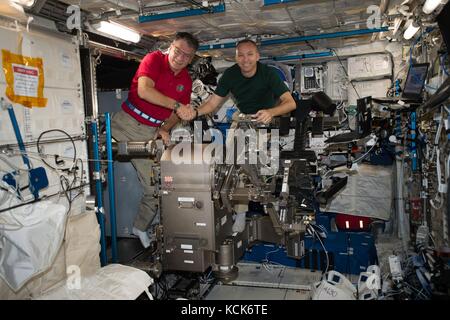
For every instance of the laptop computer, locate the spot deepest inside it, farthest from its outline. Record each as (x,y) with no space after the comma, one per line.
(412,91)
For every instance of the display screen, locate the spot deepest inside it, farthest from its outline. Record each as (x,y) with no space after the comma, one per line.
(416,80)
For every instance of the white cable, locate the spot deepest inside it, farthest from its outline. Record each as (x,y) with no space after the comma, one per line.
(267,264)
(364,155)
(11,190)
(345,114)
(438,136)
(428,154)
(40,154)
(432,239)
(436,198)
(445,186)
(447,110)
(439,130)
(446,169)
(442,187)
(324,249)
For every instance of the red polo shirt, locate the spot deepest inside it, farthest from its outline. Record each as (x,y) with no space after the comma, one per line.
(155,65)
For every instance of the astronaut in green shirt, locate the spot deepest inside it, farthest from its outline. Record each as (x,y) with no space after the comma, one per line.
(257,88)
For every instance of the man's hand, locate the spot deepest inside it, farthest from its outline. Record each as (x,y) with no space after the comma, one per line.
(186,112)
(165,136)
(263,116)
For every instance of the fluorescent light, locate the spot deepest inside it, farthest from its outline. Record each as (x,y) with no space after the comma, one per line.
(430,6)
(26,3)
(118,30)
(411,30)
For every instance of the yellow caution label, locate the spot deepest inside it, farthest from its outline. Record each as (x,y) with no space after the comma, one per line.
(24,79)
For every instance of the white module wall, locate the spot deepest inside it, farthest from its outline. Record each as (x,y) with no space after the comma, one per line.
(374,88)
(64,109)
(370,66)
(335,80)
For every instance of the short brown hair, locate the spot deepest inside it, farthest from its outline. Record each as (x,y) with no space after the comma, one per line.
(189,38)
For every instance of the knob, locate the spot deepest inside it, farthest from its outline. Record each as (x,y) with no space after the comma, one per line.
(198,204)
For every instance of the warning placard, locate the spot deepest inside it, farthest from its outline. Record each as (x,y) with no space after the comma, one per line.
(24,79)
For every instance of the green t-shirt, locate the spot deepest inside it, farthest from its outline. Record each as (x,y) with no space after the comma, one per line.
(252,94)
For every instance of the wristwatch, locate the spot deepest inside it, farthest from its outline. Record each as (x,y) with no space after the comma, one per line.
(176,105)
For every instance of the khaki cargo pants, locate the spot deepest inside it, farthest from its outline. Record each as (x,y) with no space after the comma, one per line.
(125,128)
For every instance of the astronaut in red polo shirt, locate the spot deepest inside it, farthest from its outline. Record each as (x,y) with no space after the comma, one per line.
(160,87)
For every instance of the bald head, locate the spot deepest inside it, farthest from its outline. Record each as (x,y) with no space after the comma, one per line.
(247,41)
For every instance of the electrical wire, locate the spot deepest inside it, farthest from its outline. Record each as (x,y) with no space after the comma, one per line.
(10,212)
(437,198)
(346,73)
(415,42)
(71,170)
(42,198)
(323,246)
(345,116)
(38,156)
(267,264)
(38,142)
(286,142)
(48,141)
(365,154)
(206,279)
(398,72)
